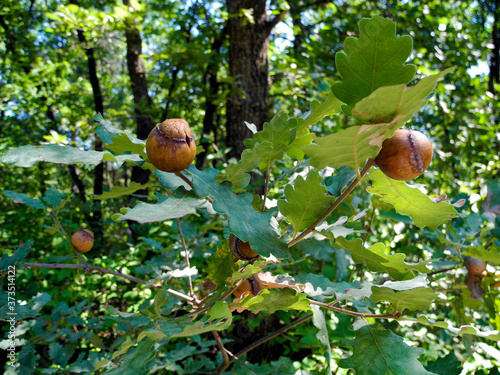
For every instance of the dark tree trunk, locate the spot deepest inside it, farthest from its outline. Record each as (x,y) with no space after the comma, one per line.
(249,66)
(142,100)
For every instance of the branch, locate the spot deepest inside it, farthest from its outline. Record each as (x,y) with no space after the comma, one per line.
(370,163)
(191,292)
(106,271)
(395,315)
(53,214)
(261,341)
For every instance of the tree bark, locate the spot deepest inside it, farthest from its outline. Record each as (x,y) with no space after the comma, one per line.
(142,100)
(249,67)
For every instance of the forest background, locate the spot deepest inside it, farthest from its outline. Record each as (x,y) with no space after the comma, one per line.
(220,66)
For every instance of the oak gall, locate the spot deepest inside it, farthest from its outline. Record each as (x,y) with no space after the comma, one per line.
(170,145)
(83,240)
(241,250)
(405,156)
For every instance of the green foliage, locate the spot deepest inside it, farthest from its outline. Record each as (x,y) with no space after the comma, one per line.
(379,351)
(388,252)
(373,60)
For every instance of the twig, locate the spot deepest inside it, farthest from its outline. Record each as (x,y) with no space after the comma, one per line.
(370,163)
(266,189)
(106,271)
(53,214)
(261,341)
(191,292)
(222,350)
(444,269)
(395,315)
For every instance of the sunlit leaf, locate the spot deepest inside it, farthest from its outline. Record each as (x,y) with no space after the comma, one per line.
(28,156)
(411,201)
(305,201)
(178,205)
(375,59)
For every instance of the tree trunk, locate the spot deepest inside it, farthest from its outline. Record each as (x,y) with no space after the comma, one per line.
(142,100)
(249,66)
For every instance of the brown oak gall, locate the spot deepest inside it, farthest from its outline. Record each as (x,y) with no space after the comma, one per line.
(475,266)
(83,240)
(241,250)
(170,145)
(405,156)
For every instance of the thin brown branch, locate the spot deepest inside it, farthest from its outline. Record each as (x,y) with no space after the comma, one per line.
(53,214)
(266,189)
(395,315)
(191,292)
(370,163)
(222,350)
(106,271)
(261,341)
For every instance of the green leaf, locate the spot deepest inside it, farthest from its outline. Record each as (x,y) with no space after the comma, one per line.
(249,160)
(119,191)
(385,110)
(272,300)
(221,265)
(28,156)
(185,327)
(448,365)
(178,205)
(154,311)
(387,103)
(305,201)
(24,199)
(375,59)
(59,354)
(53,197)
(335,184)
(119,141)
(134,359)
(219,310)
(350,147)
(322,335)
(318,111)
(490,255)
(377,260)
(246,223)
(280,133)
(414,299)
(20,253)
(411,201)
(377,350)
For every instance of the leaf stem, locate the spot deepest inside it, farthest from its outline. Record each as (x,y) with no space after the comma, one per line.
(106,271)
(370,163)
